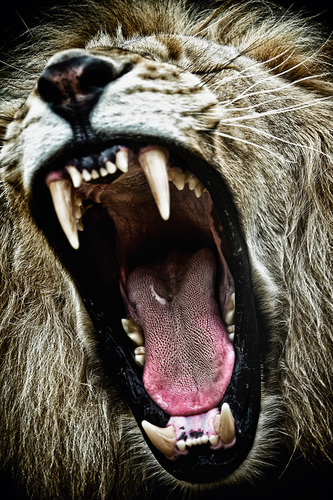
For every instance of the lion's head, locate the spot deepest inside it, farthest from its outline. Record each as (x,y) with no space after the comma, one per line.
(166,248)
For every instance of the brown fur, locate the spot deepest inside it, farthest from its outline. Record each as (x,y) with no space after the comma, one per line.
(64,431)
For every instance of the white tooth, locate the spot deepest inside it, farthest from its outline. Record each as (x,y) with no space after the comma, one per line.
(86,175)
(75,176)
(231,332)
(103,172)
(154,165)
(192,181)
(110,167)
(204,439)
(137,338)
(224,425)
(181,445)
(198,190)
(163,439)
(177,176)
(140,356)
(80,225)
(213,439)
(94,174)
(140,350)
(122,160)
(189,442)
(78,201)
(129,325)
(229,310)
(62,194)
(140,360)
(77,211)
(133,330)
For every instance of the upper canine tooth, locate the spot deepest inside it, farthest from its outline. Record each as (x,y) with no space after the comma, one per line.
(122,160)
(163,439)
(62,194)
(229,310)
(154,164)
(224,425)
(75,175)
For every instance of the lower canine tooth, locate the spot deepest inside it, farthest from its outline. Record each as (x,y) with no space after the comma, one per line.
(154,164)
(163,439)
(224,425)
(62,194)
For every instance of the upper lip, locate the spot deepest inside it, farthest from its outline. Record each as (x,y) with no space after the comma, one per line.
(243,392)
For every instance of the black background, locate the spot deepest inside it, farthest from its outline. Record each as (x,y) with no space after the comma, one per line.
(16,15)
(299,481)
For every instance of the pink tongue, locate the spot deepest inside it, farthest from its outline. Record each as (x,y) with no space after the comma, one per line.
(189,357)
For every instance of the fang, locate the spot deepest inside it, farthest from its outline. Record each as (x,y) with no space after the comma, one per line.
(163,439)
(154,164)
(224,425)
(63,201)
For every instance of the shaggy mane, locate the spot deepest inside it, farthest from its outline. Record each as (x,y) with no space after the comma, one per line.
(288,46)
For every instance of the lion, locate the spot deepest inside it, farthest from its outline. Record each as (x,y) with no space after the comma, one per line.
(166,250)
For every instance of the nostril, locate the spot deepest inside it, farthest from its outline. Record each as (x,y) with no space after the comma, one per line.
(49,90)
(96,75)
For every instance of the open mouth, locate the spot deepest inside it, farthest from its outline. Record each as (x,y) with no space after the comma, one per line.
(151,237)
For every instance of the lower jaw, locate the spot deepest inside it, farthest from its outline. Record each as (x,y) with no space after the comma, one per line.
(196,462)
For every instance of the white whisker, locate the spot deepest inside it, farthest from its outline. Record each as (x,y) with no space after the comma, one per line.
(16,68)
(245,94)
(285,141)
(279,111)
(228,136)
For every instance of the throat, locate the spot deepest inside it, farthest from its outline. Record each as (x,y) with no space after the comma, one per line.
(189,357)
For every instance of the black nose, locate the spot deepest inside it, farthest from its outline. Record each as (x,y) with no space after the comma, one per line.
(76,83)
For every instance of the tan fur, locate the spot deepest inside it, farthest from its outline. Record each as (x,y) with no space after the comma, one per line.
(63,430)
